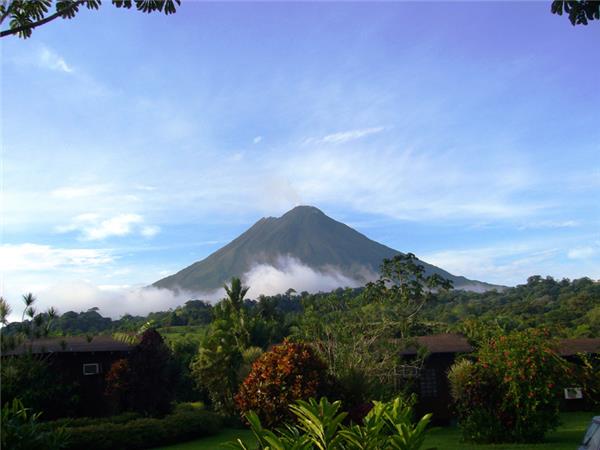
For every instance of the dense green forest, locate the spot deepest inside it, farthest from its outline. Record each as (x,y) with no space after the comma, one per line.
(569,308)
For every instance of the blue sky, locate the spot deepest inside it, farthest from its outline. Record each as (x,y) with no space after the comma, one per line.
(134,145)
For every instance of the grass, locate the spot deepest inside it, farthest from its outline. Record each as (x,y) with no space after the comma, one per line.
(566,437)
(175,333)
(214,442)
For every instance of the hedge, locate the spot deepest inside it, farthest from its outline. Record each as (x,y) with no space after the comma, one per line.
(70,422)
(143,433)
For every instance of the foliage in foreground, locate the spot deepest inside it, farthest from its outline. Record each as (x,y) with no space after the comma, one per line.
(20,430)
(24,16)
(288,372)
(319,426)
(32,379)
(511,393)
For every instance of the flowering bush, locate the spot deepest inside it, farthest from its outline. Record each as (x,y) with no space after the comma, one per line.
(512,391)
(288,372)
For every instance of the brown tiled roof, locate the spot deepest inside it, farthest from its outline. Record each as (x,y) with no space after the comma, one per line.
(441,343)
(568,347)
(71,344)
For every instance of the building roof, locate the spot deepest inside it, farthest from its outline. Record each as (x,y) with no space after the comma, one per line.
(457,343)
(569,347)
(441,343)
(71,344)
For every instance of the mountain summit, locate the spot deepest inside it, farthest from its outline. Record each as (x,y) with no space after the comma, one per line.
(309,236)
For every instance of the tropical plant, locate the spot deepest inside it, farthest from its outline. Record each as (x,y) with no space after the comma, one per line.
(216,366)
(5,311)
(319,425)
(224,354)
(288,372)
(20,430)
(232,308)
(32,379)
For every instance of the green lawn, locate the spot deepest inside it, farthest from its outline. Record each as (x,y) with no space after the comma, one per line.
(566,437)
(214,442)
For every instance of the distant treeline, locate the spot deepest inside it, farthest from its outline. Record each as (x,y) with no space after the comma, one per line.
(569,308)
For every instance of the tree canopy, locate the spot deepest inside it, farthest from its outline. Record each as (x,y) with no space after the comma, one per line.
(25,15)
(580,11)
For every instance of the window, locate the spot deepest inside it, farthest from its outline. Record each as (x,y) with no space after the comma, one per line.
(573,393)
(406,371)
(429,383)
(91,369)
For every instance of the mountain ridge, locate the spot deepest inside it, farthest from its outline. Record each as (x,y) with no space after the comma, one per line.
(304,233)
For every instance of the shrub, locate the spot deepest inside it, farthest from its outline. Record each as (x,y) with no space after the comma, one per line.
(319,425)
(41,387)
(70,422)
(511,392)
(19,429)
(288,372)
(142,433)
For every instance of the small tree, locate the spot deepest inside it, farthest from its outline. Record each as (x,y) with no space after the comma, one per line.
(286,373)
(215,368)
(219,361)
(511,392)
(353,333)
(146,381)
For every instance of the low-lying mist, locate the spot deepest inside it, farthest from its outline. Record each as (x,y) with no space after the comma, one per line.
(116,301)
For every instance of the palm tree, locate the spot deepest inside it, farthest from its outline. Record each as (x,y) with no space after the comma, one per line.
(236,293)
(4,311)
(235,303)
(28,299)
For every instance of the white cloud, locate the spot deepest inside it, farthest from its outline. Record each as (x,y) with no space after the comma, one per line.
(257,139)
(237,157)
(150,231)
(510,264)
(550,224)
(112,300)
(410,185)
(145,187)
(34,257)
(72,192)
(289,272)
(92,227)
(582,252)
(51,60)
(350,135)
